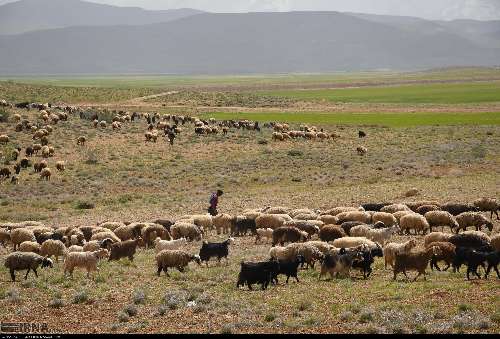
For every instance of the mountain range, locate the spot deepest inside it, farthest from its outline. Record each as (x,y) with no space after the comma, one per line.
(78,37)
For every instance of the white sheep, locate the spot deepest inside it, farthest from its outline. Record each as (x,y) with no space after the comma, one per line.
(87,260)
(270,221)
(436,237)
(30,246)
(395,208)
(475,219)
(186,230)
(19,235)
(440,219)
(174,259)
(161,245)
(53,248)
(387,218)
(264,233)
(360,216)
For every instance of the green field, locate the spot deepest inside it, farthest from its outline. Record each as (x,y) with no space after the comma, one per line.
(165,81)
(379,119)
(461,93)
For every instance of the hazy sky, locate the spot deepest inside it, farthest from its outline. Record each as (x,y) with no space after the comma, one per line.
(430,9)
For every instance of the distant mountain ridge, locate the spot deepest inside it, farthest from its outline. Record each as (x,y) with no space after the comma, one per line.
(209,43)
(33,15)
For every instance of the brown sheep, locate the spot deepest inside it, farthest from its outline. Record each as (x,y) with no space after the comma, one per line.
(447,254)
(415,261)
(331,232)
(288,234)
(125,249)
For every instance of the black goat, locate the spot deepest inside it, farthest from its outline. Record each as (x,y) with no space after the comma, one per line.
(288,268)
(242,226)
(365,264)
(257,273)
(214,249)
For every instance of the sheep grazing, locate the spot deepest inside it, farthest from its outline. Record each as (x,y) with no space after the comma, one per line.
(166,259)
(348,225)
(414,221)
(468,240)
(392,248)
(161,245)
(360,216)
(458,208)
(339,263)
(19,235)
(381,235)
(495,242)
(374,206)
(243,225)
(224,223)
(475,219)
(447,254)
(387,218)
(270,221)
(328,219)
(87,260)
(436,237)
(29,261)
(81,140)
(284,234)
(488,205)
(426,208)
(152,231)
(321,246)
(330,233)
(310,253)
(395,208)
(440,218)
(4,139)
(45,173)
(107,234)
(474,259)
(186,230)
(219,250)
(52,247)
(4,236)
(124,249)
(266,233)
(337,210)
(415,261)
(257,273)
(30,246)
(39,166)
(289,268)
(348,242)
(60,166)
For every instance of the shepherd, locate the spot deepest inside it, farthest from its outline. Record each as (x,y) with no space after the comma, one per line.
(214,200)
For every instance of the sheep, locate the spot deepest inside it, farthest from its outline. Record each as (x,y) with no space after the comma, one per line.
(416,261)
(75,248)
(330,233)
(415,222)
(348,225)
(339,263)
(17,261)
(174,259)
(348,242)
(495,242)
(87,260)
(381,235)
(151,231)
(481,235)
(341,209)
(473,219)
(392,248)
(45,151)
(387,218)
(60,166)
(53,248)
(243,225)
(270,221)
(284,234)
(458,208)
(475,259)
(124,249)
(161,245)
(322,246)
(276,210)
(266,233)
(103,124)
(81,140)
(259,272)
(395,208)
(488,205)
(328,219)
(127,232)
(312,227)
(186,230)
(94,245)
(436,237)
(399,214)
(354,216)
(30,246)
(447,254)
(440,218)
(374,206)
(362,150)
(426,208)
(288,268)
(415,205)
(19,235)
(5,172)
(111,225)
(305,216)
(467,240)
(39,166)
(364,265)
(105,235)
(45,173)
(304,211)
(223,223)
(359,230)
(4,236)
(4,139)
(219,250)
(310,253)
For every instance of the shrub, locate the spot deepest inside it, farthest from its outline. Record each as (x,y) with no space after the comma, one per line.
(80,297)
(270,317)
(131,310)
(162,309)
(295,153)
(174,299)
(4,115)
(139,297)
(84,205)
(366,316)
(13,296)
(227,329)
(56,303)
(123,317)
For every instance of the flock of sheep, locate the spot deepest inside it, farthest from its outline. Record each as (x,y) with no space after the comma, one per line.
(340,239)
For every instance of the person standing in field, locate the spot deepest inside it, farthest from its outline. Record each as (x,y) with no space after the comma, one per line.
(214,200)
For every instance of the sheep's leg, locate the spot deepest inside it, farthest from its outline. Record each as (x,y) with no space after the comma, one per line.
(13,275)
(36,274)
(296,277)
(406,275)
(26,276)
(418,275)
(448,266)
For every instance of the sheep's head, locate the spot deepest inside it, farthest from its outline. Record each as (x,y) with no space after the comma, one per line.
(196,258)
(157,240)
(436,250)
(102,253)
(230,240)
(46,262)
(489,225)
